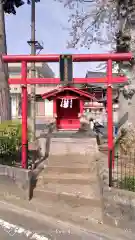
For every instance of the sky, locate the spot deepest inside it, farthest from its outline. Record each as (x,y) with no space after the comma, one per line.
(51,21)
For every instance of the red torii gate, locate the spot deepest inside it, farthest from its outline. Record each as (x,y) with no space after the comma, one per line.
(23,81)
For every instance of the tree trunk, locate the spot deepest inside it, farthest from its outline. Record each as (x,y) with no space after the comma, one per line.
(5,103)
(126,43)
(132,49)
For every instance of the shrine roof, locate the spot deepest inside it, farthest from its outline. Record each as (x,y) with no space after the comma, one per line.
(77,91)
(91,74)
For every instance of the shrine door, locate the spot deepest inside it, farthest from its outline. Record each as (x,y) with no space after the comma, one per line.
(67,118)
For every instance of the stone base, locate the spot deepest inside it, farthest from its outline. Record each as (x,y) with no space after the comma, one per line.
(118,204)
(15,181)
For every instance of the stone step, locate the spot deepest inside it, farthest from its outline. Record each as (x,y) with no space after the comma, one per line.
(74,164)
(70,213)
(84,191)
(77,168)
(63,146)
(72,147)
(67,178)
(72,200)
(73,159)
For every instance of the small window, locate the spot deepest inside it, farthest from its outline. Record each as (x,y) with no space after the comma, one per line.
(40,107)
(15,73)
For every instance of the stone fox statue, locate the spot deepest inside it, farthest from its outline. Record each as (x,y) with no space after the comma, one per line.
(96,126)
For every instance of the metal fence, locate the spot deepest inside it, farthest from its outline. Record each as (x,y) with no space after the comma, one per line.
(122,175)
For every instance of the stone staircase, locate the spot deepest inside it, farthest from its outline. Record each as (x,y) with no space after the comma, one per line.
(68,189)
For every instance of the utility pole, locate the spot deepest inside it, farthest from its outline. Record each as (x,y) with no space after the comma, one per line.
(35,46)
(33,73)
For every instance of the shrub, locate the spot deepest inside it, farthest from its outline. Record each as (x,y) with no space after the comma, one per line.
(10,141)
(127,183)
(126,140)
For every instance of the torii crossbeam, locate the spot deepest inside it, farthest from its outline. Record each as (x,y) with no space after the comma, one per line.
(109,80)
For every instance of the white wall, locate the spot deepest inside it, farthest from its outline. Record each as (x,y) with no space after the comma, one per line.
(48,108)
(14,106)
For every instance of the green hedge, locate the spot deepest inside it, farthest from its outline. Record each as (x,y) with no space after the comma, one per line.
(10,141)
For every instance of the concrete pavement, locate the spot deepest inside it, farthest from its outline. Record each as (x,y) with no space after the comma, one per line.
(20,224)
(9,234)
(35,230)
(5,236)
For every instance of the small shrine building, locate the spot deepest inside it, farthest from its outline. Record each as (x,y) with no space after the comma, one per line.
(68,106)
